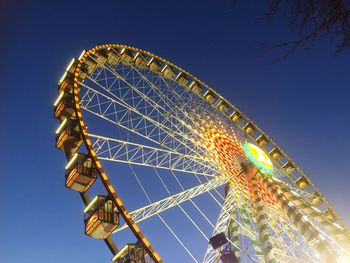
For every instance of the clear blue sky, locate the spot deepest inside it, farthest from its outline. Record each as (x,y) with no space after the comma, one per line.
(302,103)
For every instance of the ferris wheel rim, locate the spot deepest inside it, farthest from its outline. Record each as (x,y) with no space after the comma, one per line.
(103,175)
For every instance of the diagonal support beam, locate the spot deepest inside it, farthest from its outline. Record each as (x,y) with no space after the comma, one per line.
(110,149)
(223,221)
(174,200)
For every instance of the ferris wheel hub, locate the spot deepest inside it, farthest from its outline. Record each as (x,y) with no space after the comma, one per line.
(258,158)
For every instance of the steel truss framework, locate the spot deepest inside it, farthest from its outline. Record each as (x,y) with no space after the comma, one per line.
(144,111)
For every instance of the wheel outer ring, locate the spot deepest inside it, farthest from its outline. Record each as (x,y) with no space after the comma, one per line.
(103,176)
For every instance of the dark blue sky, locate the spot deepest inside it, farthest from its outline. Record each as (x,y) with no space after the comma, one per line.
(302,103)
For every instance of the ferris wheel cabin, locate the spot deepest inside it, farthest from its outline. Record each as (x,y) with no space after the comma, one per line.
(132,253)
(68,137)
(100,217)
(64,106)
(80,172)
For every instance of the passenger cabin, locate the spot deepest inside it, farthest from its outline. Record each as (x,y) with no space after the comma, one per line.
(68,138)
(64,106)
(66,82)
(316,199)
(113,57)
(209,97)
(80,172)
(329,214)
(90,64)
(249,129)
(288,167)
(100,217)
(132,253)
(236,117)
(275,153)
(168,72)
(223,107)
(140,61)
(302,183)
(83,72)
(101,57)
(218,240)
(262,141)
(126,57)
(154,66)
(70,69)
(182,80)
(196,89)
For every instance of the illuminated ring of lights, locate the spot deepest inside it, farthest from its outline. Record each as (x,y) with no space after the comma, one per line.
(265,168)
(102,174)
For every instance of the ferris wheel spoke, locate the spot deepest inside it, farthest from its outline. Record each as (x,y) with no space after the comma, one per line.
(191,103)
(114,150)
(168,98)
(165,102)
(225,219)
(130,118)
(161,108)
(162,219)
(184,104)
(176,199)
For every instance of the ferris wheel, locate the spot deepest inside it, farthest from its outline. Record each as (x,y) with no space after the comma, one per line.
(170,171)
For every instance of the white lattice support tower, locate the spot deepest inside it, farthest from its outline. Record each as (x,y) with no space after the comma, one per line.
(110,149)
(262,224)
(246,218)
(223,221)
(233,225)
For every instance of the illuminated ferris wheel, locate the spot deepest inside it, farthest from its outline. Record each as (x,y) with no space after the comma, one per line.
(170,171)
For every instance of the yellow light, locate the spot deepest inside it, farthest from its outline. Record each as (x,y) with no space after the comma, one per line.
(316,209)
(63,123)
(343,259)
(338,226)
(121,253)
(58,98)
(91,206)
(305,218)
(70,64)
(81,55)
(62,78)
(71,161)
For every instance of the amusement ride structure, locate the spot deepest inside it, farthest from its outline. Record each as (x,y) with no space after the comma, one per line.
(170,171)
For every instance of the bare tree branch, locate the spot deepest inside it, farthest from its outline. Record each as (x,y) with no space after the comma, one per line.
(312,19)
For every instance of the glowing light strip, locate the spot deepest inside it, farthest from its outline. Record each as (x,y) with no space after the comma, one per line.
(58,99)
(71,161)
(70,64)
(80,57)
(62,78)
(59,129)
(92,203)
(252,158)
